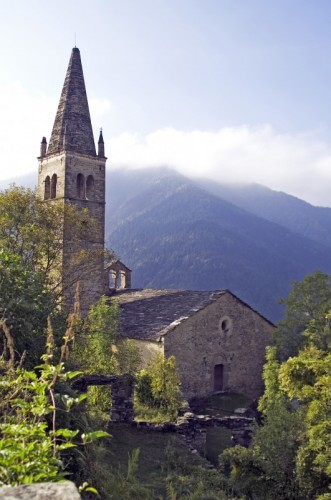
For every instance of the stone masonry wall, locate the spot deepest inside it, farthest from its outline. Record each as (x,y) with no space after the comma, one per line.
(67,166)
(226,332)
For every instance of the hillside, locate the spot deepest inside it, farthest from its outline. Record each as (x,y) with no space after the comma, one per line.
(177,233)
(276,206)
(174,234)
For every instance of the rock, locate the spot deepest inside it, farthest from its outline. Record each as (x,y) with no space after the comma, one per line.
(240,411)
(41,491)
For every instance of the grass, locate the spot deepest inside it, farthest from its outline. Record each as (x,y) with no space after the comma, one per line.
(153,454)
(109,463)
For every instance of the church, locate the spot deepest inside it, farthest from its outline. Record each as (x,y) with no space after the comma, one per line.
(218,340)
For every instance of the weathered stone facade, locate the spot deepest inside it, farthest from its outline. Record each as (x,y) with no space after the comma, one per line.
(219,342)
(225,334)
(71,171)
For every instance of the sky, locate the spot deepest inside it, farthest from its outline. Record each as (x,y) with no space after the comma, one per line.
(232,90)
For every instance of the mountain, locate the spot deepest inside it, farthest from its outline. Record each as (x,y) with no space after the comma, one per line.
(175,234)
(276,206)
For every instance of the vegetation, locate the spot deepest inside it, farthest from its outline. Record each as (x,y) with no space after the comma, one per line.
(43,422)
(157,394)
(291,453)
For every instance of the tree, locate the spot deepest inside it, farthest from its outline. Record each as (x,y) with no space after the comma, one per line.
(308,301)
(307,378)
(158,385)
(33,230)
(100,349)
(26,302)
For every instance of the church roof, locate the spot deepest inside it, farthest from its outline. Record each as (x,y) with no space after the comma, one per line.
(148,314)
(72,129)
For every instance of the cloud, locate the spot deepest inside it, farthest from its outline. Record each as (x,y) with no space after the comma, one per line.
(24,120)
(297,164)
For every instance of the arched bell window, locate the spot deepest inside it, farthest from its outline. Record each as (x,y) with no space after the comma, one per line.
(80,186)
(90,187)
(53,185)
(47,190)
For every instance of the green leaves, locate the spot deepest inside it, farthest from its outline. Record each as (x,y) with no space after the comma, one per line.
(91,436)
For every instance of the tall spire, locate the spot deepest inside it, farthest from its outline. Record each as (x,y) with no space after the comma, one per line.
(72,129)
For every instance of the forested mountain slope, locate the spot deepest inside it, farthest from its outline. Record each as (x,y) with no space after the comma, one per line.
(173,234)
(177,233)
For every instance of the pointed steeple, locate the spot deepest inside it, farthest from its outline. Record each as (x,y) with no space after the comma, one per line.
(101,145)
(72,129)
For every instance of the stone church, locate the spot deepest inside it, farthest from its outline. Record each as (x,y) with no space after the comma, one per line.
(218,340)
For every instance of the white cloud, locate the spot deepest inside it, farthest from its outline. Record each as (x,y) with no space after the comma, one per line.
(24,119)
(298,164)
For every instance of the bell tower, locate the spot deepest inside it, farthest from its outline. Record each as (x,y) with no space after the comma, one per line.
(72,172)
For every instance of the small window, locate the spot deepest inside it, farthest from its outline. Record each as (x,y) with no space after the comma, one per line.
(225,325)
(47,191)
(80,186)
(90,187)
(53,186)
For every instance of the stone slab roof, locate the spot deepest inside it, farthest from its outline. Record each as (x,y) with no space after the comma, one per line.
(72,129)
(149,314)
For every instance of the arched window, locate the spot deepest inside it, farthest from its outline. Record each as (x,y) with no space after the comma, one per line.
(53,186)
(80,186)
(47,192)
(90,187)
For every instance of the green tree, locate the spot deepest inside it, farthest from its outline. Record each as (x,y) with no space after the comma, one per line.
(307,378)
(158,386)
(308,301)
(26,302)
(33,230)
(99,349)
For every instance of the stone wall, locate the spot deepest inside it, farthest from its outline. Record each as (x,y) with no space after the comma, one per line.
(122,387)
(67,166)
(226,333)
(193,429)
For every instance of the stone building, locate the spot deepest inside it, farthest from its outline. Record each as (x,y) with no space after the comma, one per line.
(219,341)
(73,172)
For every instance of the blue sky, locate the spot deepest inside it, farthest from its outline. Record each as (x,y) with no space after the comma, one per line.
(236,90)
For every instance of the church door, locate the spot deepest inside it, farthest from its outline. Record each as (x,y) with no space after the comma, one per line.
(218,377)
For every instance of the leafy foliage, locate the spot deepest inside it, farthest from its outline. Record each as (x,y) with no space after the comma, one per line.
(291,452)
(26,302)
(306,305)
(158,386)
(308,378)
(29,450)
